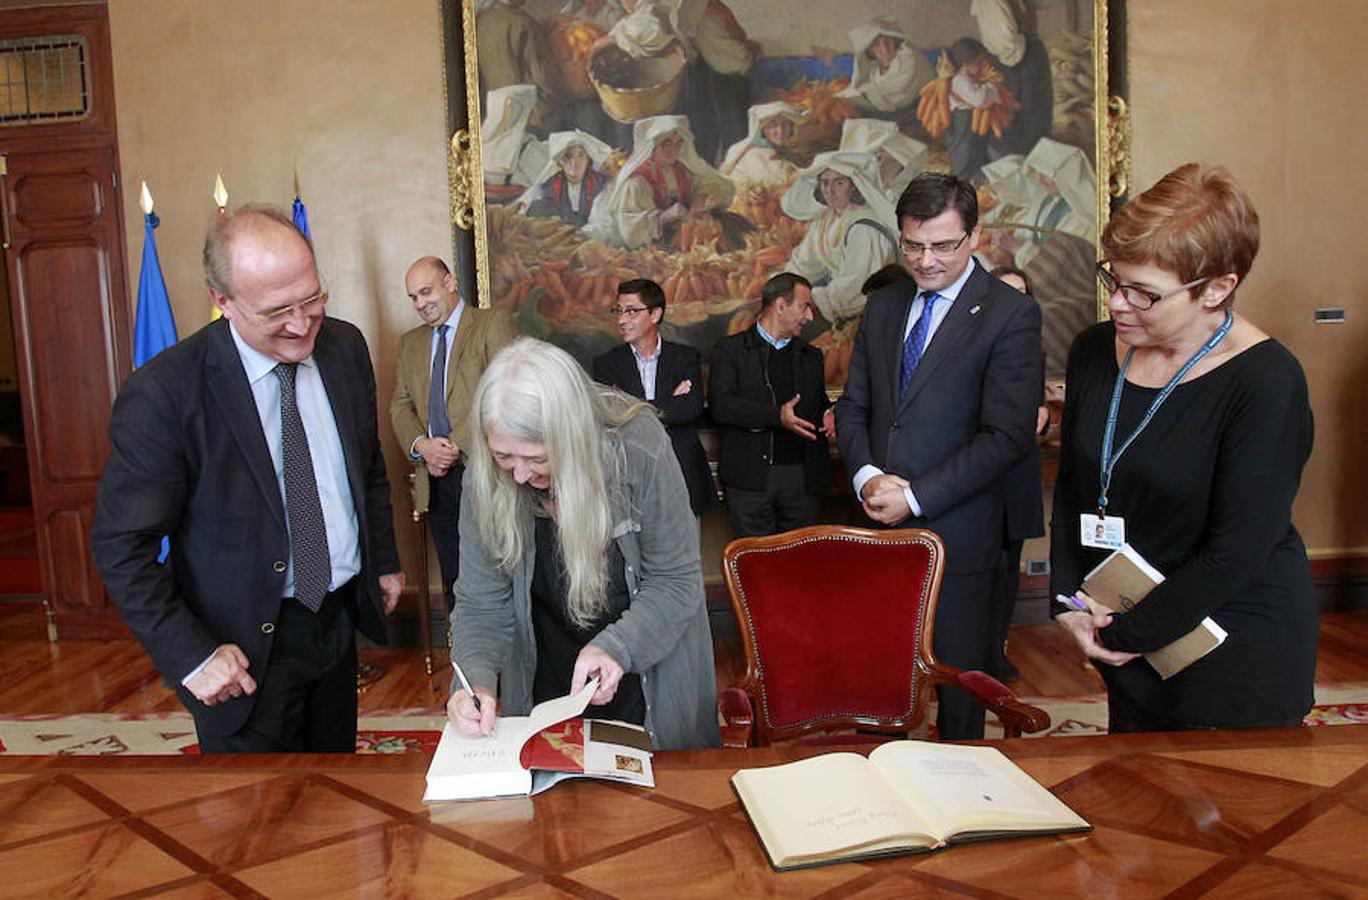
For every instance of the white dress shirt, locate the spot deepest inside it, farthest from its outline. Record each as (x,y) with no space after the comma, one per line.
(647,366)
(325,451)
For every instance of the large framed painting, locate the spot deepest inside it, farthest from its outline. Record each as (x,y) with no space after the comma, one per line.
(710,144)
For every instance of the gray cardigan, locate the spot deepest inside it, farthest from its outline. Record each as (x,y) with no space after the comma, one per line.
(663,635)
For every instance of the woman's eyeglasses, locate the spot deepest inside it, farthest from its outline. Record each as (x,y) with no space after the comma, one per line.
(1136,296)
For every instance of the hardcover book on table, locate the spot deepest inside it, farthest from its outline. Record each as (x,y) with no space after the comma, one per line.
(528,754)
(905,797)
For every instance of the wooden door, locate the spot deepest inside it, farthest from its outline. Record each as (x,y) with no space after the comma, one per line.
(64,246)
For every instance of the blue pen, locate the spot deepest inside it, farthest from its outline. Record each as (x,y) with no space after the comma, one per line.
(1071,602)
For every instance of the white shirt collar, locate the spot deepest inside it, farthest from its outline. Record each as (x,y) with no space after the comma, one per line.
(952,291)
(455,318)
(256,364)
(653,356)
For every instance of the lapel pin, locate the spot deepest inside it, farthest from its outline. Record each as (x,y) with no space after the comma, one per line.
(973,310)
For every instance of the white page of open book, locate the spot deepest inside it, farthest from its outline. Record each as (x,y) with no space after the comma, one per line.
(550,712)
(966,787)
(829,803)
(465,767)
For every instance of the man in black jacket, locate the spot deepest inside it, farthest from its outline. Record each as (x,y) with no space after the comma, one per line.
(253,445)
(666,374)
(767,394)
(939,408)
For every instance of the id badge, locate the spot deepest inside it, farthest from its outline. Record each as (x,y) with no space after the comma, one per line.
(1102,532)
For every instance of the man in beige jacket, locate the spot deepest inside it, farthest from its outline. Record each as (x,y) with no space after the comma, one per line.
(441,360)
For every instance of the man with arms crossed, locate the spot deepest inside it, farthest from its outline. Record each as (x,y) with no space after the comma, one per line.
(253,445)
(439,364)
(939,406)
(663,373)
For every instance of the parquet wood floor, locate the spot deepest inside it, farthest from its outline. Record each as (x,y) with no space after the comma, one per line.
(1276,813)
(117,677)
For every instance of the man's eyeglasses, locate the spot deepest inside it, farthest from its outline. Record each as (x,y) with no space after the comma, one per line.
(938,248)
(281,313)
(1138,297)
(630,312)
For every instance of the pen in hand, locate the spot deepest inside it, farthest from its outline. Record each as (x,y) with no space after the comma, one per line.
(1071,602)
(465,683)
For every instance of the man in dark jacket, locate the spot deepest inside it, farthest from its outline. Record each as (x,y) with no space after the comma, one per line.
(767,394)
(253,445)
(939,408)
(666,374)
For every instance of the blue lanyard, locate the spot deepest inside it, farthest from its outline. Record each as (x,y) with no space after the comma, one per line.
(1108,458)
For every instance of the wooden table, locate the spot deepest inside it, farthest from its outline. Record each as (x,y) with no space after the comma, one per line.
(1272,813)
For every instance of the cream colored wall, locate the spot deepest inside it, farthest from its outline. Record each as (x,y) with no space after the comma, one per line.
(348,91)
(1272,89)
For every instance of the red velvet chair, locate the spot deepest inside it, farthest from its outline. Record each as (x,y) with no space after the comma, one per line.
(837,623)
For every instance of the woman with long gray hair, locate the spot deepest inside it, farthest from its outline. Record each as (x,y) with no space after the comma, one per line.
(579,556)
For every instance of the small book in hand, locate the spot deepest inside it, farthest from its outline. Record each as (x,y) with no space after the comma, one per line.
(905,797)
(528,754)
(1124,579)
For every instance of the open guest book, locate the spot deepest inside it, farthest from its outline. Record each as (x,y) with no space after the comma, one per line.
(528,754)
(1125,578)
(906,797)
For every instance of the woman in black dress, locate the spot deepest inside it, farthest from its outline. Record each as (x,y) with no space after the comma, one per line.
(1211,429)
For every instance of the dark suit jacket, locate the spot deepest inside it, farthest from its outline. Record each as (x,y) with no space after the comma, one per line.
(743,405)
(189,459)
(1024,499)
(968,417)
(680,414)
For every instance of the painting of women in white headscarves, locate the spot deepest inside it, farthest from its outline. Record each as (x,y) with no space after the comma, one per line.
(711,144)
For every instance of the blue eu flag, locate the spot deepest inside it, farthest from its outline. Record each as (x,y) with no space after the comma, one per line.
(300,216)
(155,329)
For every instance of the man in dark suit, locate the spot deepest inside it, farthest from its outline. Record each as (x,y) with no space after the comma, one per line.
(666,374)
(767,393)
(939,406)
(253,445)
(1025,517)
(467,339)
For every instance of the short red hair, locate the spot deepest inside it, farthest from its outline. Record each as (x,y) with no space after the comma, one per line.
(1196,222)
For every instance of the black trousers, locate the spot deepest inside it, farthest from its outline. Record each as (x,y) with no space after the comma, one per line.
(306,697)
(962,638)
(444,512)
(783,505)
(1004,602)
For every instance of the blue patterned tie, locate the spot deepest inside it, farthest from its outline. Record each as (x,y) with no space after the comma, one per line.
(439,424)
(916,339)
(303,511)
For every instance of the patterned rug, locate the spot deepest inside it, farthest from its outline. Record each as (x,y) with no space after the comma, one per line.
(161,734)
(417,730)
(1336,704)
